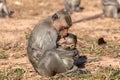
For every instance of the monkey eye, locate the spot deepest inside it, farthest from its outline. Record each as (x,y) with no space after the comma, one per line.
(67,43)
(63,28)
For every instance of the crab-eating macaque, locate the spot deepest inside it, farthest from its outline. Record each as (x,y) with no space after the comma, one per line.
(56,61)
(44,37)
(72,5)
(59,60)
(68,43)
(4,12)
(111,8)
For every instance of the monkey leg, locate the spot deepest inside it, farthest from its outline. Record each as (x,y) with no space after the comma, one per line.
(115,13)
(50,64)
(78,9)
(68,9)
(111,11)
(2,14)
(107,11)
(69,72)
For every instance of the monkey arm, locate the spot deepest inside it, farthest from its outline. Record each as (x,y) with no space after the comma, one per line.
(67,53)
(74,69)
(44,38)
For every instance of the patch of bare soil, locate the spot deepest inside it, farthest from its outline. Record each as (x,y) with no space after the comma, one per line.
(89,25)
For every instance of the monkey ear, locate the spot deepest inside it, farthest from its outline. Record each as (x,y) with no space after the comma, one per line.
(55,17)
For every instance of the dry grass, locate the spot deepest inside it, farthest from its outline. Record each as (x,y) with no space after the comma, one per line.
(14,33)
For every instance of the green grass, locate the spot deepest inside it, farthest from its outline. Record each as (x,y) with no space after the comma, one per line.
(91,46)
(12,74)
(107,73)
(27,35)
(3,55)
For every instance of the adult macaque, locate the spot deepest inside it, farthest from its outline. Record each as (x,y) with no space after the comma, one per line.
(111,8)
(44,38)
(72,5)
(4,12)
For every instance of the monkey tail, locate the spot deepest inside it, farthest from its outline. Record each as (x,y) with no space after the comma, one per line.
(89,18)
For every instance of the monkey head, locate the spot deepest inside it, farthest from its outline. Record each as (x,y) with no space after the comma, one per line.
(69,42)
(62,22)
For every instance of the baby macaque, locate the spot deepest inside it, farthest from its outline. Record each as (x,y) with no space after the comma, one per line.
(68,43)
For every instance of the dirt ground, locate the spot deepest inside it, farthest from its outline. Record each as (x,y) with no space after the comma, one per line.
(89,25)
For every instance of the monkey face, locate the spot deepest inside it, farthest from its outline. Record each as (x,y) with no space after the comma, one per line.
(69,44)
(63,31)
(61,22)
(61,27)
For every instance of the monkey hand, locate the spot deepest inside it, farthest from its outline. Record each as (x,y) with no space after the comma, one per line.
(61,41)
(76,52)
